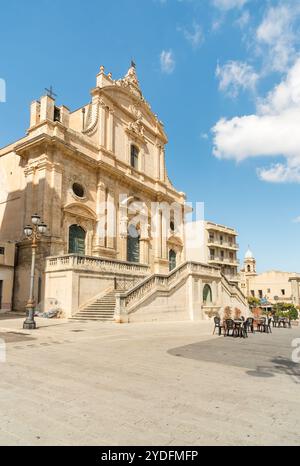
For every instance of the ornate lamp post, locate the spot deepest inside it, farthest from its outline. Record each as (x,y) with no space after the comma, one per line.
(33,232)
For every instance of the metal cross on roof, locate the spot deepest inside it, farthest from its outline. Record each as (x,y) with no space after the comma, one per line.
(50,92)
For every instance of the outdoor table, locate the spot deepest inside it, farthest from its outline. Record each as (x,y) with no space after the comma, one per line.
(237,327)
(282,321)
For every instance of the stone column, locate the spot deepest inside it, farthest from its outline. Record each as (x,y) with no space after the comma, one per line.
(45,195)
(102,124)
(29,194)
(110,219)
(162,165)
(56,199)
(144,243)
(157,161)
(111,129)
(123,222)
(158,234)
(164,235)
(214,290)
(101,215)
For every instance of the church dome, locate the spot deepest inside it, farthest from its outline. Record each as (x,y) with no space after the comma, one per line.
(249,254)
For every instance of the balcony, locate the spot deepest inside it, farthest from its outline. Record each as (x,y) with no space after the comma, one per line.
(223,244)
(95,264)
(224,260)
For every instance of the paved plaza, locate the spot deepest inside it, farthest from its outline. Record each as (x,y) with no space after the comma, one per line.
(91,383)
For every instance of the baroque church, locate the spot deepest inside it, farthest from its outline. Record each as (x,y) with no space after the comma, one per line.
(115,241)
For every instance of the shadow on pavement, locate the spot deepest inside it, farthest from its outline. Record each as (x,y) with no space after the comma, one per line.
(261,355)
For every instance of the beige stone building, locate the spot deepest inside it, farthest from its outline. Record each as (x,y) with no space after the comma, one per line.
(7,262)
(274,286)
(115,243)
(214,244)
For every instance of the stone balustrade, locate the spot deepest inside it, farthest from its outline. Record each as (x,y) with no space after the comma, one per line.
(158,282)
(92,263)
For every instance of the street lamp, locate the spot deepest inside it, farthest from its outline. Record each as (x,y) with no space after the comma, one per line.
(33,232)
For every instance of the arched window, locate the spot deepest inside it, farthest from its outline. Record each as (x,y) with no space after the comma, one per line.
(207,294)
(133,244)
(248,268)
(76,240)
(172,260)
(134,157)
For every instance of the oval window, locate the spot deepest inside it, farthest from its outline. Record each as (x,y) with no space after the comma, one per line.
(78,190)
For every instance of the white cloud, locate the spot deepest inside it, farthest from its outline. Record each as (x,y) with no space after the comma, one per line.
(284,96)
(226,5)
(243,20)
(272,131)
(194,36)
(296,220)
(276,35)
(167,61)
(234,76)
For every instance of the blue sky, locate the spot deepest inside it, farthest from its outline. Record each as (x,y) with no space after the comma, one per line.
(223,76)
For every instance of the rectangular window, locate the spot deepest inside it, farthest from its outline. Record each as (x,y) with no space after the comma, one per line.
(222,255)
(252,293)
(56,114)
(269,290)
(283,292)
(2,251)
(134,157)
(260,294)
(212,254)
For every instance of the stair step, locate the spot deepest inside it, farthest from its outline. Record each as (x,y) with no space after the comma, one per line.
(90,318)
(102,309)
(81,313)
(105,308)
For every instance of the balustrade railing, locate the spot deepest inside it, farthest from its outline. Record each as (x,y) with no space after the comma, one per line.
(164,282)
(74,261)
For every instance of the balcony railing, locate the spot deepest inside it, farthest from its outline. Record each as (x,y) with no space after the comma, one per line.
(222,244)
(225,260)
(93,263)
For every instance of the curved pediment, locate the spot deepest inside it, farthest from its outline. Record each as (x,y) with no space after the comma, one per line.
(129,101)
(175,241)
(80,210)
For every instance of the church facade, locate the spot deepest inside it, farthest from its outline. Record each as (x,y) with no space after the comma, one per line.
(97,177)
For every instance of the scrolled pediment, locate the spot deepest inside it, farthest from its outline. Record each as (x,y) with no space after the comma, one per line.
(80,210)
(175,241)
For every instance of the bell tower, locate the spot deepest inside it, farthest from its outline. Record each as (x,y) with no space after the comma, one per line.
(249,264)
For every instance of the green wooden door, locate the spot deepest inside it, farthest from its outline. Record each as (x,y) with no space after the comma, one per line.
(172,260)
(133,245)
(76,240)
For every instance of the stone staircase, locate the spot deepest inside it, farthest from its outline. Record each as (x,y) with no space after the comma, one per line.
(101,309)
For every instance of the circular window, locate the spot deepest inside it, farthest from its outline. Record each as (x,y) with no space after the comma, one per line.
(78,189)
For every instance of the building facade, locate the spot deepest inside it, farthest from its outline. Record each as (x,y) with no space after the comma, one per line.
(271,286)
(97,177)
(7,262)
(214,244)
